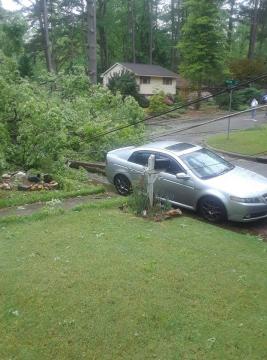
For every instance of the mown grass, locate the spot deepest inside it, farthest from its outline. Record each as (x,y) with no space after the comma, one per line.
(100,284)
(16,198)
(248,142)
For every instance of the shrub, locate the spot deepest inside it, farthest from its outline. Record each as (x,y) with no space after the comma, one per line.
(241,98)
(61,116)
(138,201)
(71,179)
(157,104)
(126,84)
(4,146)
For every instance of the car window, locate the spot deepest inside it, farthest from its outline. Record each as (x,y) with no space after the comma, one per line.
(206,164)
(173,168)
(140,157)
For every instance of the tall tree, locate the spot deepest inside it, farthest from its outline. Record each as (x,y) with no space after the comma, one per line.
(132,28)
(202,43)
(44,25)
(230,28)
(91,40)
(175,31)
(253,29)
(102,34)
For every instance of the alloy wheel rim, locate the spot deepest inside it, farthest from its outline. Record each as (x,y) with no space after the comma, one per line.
(211,210)
(122,186)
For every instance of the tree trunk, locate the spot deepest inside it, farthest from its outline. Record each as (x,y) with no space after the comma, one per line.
(131,28)
(230,24)
(175,30)
(150,32)
(101,13)
(47,46)
(253,30)
(91,40)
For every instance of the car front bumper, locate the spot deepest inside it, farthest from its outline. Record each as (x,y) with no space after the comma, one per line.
(246,212)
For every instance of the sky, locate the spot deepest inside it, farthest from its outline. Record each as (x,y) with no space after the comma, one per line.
(12,5)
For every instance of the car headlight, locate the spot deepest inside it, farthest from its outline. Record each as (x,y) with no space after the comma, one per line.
(253,200)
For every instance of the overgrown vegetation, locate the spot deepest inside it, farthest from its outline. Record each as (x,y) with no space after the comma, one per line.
(56,117)
(157,104)
(126,84)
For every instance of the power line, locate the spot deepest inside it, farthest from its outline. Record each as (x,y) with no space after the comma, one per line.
(189,103)
(205,123)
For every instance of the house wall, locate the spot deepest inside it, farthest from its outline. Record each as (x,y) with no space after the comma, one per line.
(156,85)
(117,69)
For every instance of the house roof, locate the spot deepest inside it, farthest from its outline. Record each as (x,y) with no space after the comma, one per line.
(146,70)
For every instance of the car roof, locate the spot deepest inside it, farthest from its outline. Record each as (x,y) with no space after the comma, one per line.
(169,146)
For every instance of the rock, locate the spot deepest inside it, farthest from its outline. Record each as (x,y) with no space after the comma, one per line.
(35,178)
(173,213)
(6,176)
(52,185)
(5,186)
(22,187)
(47,178)
(19,176)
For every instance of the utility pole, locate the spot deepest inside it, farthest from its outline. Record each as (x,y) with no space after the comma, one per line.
(91,40)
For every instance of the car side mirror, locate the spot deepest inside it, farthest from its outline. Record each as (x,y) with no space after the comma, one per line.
(182,176)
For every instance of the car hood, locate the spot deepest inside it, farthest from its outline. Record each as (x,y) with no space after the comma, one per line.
(240,182)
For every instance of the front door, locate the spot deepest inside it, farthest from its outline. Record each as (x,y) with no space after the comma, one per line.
(168,187)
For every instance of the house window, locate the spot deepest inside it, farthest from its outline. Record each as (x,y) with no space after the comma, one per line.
(167,81)
(144,80)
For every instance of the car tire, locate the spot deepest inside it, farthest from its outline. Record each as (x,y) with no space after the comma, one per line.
(212,209)
(122,185)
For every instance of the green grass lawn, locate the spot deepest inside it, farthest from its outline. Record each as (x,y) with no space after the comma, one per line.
(101,284)
(248,142)
(15,198)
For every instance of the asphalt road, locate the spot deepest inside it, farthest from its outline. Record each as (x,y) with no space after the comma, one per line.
(200,134)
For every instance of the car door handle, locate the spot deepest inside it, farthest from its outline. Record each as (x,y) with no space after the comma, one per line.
(136,171)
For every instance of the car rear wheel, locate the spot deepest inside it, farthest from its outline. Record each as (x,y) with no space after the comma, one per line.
(212,209)
(122,185)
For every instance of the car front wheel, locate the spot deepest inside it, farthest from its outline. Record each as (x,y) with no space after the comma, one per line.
(212,209)
(122,185)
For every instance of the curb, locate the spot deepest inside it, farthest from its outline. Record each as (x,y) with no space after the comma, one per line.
(262,160)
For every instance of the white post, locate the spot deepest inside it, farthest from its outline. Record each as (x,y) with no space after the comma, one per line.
(151,177)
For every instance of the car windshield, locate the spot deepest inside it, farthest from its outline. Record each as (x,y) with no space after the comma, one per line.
(205,164)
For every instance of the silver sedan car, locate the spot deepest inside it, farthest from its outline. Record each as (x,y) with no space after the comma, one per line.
(192,177)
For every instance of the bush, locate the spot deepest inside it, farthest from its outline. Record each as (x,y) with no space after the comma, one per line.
(157,104)
(241,98)
(44,123)
(126,84)
(138,201)
(4,146)
(71,179)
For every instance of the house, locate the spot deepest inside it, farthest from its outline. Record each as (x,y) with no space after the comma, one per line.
(150,78)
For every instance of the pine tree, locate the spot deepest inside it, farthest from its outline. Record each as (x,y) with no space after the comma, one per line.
(202,43)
